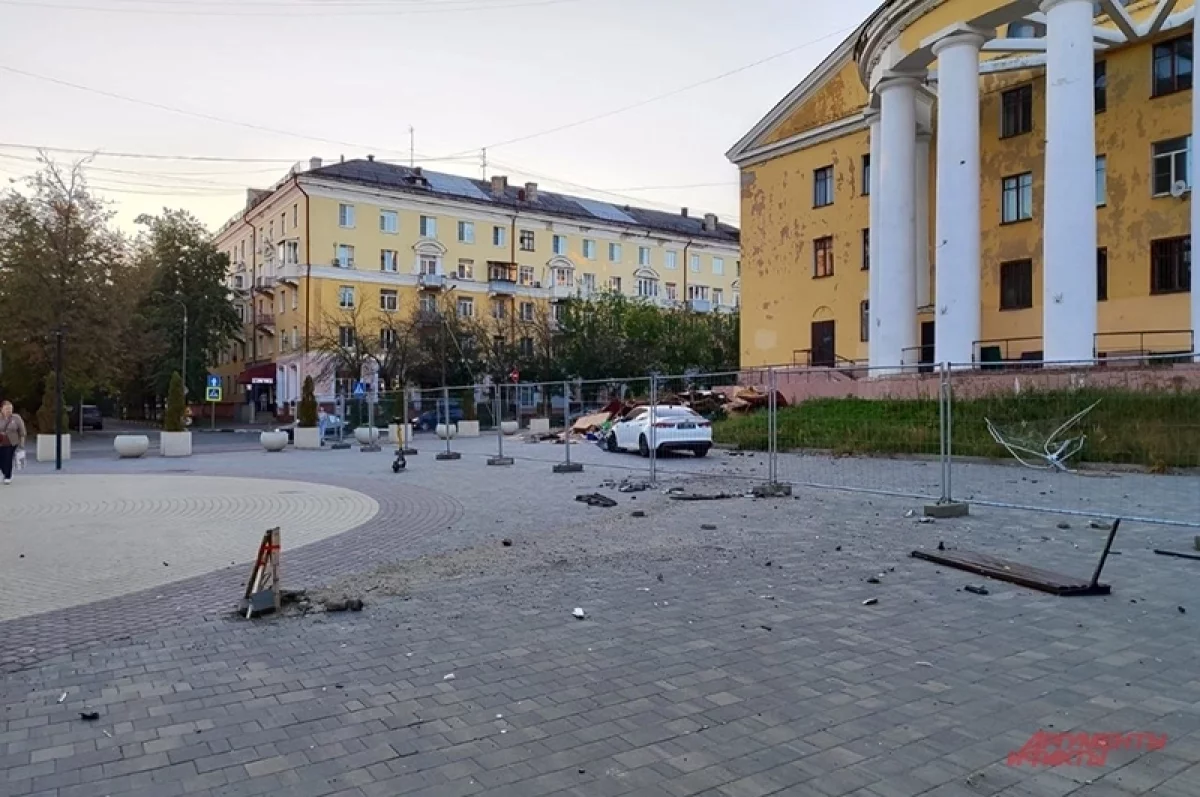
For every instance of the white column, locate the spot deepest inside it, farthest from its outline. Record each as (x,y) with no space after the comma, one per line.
(873,242)
(896,309)
(956,317)
(1195,227)
(921,198)
(1069,215)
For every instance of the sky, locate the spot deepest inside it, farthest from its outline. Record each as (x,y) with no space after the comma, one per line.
(257,85)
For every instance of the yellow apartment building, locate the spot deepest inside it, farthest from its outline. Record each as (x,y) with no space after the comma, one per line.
(381,240)
(972,181)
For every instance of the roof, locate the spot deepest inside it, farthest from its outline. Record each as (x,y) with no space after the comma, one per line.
(421,182)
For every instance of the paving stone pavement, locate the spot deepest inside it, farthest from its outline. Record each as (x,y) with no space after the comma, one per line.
(751,667)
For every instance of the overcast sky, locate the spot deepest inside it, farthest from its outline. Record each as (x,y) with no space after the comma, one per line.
(287,79)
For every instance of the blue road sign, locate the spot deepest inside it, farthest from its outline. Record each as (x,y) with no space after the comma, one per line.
(214,381)
(360,390)
(213,394)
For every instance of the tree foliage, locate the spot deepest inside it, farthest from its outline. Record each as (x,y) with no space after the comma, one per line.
(306,413)
(173,416)
(45,413)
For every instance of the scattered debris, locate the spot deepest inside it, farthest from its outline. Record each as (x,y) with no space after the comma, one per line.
(707,527)
(976,590)
(166,565)
(838,548)
(579,613)
(924,520)
(1181,610)
(1099,525)
(596,499)
(1062,524)
(773,490)
(506,542)
(343,605)
(767,563)
(765,627)
(1178,554)
(89,714)
(924,664)
(62,697)
(448,676)
(941,545)
(633,487)
(872,580)
(702,496)
(660,576)
(870,601)
(638,513)
(911,513)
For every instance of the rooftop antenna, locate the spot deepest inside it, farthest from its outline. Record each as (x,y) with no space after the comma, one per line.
(412,158)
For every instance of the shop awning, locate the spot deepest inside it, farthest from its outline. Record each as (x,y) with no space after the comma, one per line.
(261,374)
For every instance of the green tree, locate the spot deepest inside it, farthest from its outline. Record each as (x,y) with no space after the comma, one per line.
(306,413)
(173,420)
(45,413)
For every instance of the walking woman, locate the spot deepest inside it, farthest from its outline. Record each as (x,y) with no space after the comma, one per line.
(12,439)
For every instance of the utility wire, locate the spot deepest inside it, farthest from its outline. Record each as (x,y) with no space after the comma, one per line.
(147,156)
(314,12)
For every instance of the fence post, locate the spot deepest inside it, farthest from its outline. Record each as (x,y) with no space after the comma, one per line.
(653,432)
(445,414)
(340,403)
(772,428)
(946,506)
(499,459)
(567,466)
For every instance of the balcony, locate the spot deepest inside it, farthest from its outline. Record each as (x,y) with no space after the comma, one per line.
(432,282)
(502,278)
(264,284)
(561,292)
(265,322)
(700,305)
(291,273)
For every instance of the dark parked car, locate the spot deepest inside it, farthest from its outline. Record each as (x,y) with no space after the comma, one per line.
(429,419)
(91,417)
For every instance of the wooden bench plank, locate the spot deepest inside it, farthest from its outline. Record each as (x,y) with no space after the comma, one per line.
(1014,572)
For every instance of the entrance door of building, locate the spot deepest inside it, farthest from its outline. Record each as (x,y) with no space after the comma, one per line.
(824,348)
(925,363)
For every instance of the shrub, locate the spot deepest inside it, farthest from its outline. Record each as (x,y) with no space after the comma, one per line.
(306,415)
(173,419)
(45,413)
(467,399)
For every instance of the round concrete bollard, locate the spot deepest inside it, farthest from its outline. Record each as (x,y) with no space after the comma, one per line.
(366,435)
(509,427)
(131,446)
(273,441)
(443,434)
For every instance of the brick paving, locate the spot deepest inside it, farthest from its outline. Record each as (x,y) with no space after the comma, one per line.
(751,667)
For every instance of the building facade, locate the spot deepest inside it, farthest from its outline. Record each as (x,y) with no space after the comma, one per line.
(378,241)
(970,181)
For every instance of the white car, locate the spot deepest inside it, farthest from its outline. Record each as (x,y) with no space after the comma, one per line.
(675,429)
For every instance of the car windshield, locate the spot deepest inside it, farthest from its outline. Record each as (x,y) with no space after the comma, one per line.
(675,412)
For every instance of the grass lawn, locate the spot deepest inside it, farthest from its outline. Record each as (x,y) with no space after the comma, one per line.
(1153,429)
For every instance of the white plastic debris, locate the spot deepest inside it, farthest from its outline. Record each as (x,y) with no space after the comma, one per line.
(579,613)
(870,601)
(910,513)
(62,697)
(448,677)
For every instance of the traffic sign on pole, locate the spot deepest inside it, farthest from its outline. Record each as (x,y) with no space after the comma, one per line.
(213,394)
(360,390)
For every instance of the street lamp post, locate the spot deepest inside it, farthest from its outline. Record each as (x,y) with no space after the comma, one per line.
(58,398)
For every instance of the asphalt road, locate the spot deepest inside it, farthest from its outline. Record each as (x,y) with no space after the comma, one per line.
(99,443)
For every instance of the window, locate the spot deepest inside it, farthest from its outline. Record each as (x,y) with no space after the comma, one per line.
(1171,265)
(698,293)
(823,187)
(614,253)
(587,282)
(387,260)
(389,301)
(387,338)
(525,275)
(1017,204)
(1171,164)
(282,299)
(1102,274)
(564,277)
(1100,86)
(643,255)
(671,259)
(672,292)
(694,265)
(527,241)
(1016,111)
(864,321)
(465,270)
(389,221)
(271,230)
(866,249)
(589,249)
(346,297)
(346,337)
(823,257)
(866,174)
(557,311)
(295,299)
(526,311)
(647,288)
(428,227)
(499,236)
(345,256)
(1020,30)
(559,244)
(428,304)
(466,307)
(1016,285)
(525,347)
(466,232)
(1101,180)
(499,309)
(428,265)
(1173,65)
(295,215)
(614,284)
(718,297)
(345,215)
(718,264)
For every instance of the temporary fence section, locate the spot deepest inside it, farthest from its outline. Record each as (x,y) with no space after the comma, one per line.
(1111,438)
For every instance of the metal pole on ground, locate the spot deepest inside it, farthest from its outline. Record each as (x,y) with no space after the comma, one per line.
(946,506)
(567,466)
(371,444)
(58,399)
(445,411)
(340,403)
(772,428)
(499,459)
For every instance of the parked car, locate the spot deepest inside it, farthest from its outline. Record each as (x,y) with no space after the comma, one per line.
(428,420)
(675,429)
(91,417)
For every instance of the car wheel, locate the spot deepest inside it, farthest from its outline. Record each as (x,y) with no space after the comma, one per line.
(611,443)
(643,446)
(700,451)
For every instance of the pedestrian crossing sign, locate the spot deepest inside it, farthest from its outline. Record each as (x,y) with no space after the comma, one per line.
(214,394)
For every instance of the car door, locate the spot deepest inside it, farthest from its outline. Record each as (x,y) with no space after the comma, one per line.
(629,429)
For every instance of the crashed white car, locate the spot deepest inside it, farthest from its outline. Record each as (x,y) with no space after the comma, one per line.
(675,429)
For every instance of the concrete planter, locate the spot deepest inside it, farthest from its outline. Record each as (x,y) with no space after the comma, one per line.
(468,428)
(539,425)
(442,432)
(366,435)
(175,444)
(45,447)
(509,427)
(273,441)
(308,438)
(131,446)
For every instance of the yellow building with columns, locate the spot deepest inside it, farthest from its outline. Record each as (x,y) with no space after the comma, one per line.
(384,239)
(971,181)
